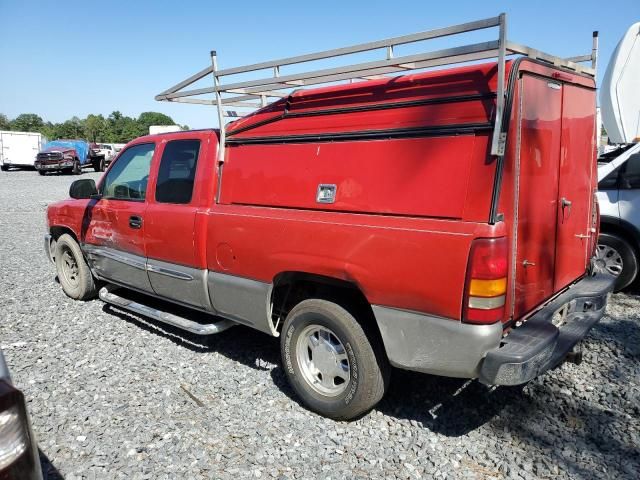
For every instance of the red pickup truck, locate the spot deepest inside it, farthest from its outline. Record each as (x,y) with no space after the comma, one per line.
(367,225)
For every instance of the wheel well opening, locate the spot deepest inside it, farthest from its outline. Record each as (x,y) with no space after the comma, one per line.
(57,232)
(291,288)
(621,232)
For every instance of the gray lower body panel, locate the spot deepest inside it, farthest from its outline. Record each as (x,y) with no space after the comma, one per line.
(236,298)
(122,267)
(242,299)
(178,282)
(435,345)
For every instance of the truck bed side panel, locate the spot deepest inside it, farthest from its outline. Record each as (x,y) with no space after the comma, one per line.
(416,264)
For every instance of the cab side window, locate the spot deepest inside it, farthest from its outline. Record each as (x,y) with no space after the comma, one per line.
(177,171)
(630,178)
(127,179)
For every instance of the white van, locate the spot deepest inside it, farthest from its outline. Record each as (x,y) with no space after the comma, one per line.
(19,149)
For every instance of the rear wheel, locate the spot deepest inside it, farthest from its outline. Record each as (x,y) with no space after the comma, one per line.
(334,367)
(617,257)
(73,272)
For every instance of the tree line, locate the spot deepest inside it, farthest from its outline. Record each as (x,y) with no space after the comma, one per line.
(116,128)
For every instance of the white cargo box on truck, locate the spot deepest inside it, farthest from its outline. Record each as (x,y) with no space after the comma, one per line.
(19,149)
(155,129)
(620,99)
(620,91)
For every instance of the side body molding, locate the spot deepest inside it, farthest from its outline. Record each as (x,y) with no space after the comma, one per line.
(177,282)
(119,266)
(236,298)
(242,299)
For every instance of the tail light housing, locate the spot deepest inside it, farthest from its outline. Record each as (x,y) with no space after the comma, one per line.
(486,282)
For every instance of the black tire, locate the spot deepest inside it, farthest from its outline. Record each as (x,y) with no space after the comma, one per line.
(4,168)
(78,283)
(42,172)
(77,168)
(368,367)
(627,255)
(98,165)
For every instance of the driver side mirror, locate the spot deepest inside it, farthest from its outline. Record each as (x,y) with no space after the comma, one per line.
(85,188)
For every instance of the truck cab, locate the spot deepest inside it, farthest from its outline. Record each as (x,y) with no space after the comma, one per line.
(395,222)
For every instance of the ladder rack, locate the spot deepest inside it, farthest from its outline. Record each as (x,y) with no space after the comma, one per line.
(259,92)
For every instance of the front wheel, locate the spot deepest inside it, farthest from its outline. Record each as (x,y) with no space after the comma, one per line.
(41,172)
(73,272)
(334,367)
(4,168)
(616,256)
(77,169)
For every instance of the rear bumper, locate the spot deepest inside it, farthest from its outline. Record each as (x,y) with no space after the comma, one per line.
(539,345)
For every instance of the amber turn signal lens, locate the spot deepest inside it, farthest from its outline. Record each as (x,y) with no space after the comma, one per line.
(487,288)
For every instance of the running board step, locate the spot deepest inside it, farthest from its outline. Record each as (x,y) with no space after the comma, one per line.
(107,295)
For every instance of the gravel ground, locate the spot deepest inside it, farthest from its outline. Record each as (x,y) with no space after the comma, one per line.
(116,396)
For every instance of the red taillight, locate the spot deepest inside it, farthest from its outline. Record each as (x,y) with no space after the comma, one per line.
(486,284)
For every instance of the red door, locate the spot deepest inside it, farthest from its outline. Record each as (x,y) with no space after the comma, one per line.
(115,224)
(537,190)
(170,233)
(577,165)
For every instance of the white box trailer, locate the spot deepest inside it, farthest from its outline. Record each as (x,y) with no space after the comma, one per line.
(19,149)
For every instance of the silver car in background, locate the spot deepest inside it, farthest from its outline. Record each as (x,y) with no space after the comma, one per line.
(619,200)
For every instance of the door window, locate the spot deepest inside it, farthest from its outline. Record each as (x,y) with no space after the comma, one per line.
(177,171)
(610,182)
(127,179)
(630,178)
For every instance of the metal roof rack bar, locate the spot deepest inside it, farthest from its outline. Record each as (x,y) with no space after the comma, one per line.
(258,92)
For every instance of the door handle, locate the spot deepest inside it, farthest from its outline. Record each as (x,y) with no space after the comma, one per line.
(135,221)
(566,204)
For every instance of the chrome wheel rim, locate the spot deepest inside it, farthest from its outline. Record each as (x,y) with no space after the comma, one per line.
(608,259)
(323,360)
(70,268)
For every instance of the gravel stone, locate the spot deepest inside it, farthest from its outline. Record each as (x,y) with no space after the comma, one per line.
(107,393)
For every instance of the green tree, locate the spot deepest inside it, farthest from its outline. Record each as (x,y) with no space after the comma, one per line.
(95,127)
(49,130)
(116,128)
(5,124)
(27,122)
(71,129)
(146,119)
